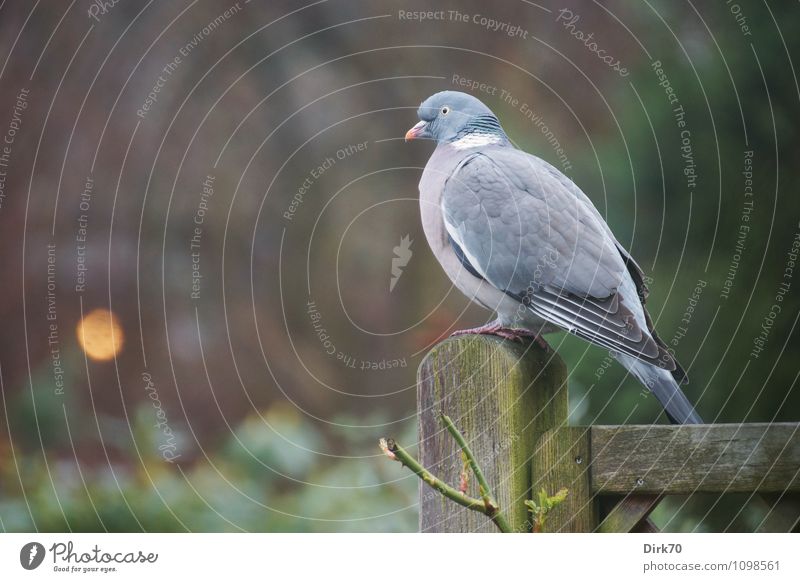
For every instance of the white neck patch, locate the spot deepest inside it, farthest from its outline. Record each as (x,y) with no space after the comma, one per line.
(474,140)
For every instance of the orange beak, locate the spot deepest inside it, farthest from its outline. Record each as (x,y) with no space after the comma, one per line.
(416,131)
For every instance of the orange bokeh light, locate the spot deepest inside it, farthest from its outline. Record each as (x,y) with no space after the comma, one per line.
(100,334)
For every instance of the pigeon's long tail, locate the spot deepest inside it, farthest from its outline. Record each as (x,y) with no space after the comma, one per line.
(665,388)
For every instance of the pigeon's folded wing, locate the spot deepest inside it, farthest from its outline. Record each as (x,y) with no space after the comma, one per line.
(514,221)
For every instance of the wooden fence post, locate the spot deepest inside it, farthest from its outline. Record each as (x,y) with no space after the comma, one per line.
(562,459)
(509,400)
(502,396)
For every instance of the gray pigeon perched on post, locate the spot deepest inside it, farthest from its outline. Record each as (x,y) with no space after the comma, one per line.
(519,238)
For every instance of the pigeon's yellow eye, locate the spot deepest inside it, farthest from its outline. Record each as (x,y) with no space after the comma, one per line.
(445,110)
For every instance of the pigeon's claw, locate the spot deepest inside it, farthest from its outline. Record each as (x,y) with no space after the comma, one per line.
(489,329)
(510,333)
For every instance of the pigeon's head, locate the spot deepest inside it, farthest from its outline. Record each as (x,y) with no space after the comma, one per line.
(450,115)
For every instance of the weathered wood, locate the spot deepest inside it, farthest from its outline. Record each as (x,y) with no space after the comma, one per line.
(646,526)
(561,459)
(696,458)
(630,514)
(500,394)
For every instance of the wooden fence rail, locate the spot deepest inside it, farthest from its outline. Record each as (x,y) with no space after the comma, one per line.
(510,402)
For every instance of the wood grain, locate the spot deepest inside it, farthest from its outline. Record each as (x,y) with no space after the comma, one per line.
(560,460)
(696,458)
(629,514)
(500,395)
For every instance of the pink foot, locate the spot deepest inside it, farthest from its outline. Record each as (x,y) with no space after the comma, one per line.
(509,333)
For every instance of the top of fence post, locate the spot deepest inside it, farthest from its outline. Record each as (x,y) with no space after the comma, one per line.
(502,395)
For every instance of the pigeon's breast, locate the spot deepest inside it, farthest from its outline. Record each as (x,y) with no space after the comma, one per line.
(445,162)
(441,165)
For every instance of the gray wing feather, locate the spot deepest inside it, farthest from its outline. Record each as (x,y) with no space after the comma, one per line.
(529,231)
(504,210)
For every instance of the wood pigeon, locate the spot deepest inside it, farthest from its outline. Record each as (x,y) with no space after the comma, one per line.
(519,238)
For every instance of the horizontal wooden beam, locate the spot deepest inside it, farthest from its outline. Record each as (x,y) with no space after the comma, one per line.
(695,458)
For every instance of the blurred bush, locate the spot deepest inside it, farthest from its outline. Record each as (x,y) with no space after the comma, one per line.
(266,476)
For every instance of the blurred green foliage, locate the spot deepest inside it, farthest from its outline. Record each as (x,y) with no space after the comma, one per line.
(265,476)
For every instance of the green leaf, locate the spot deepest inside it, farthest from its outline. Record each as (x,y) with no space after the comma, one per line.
(545,504)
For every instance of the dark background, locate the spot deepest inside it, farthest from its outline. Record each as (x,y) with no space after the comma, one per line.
(267,431)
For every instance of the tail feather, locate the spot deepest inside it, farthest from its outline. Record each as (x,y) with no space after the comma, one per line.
(664,386)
